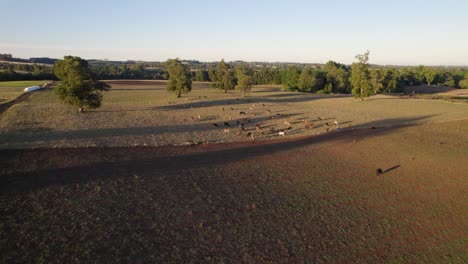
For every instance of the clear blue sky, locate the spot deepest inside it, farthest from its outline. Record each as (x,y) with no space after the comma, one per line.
(395,31)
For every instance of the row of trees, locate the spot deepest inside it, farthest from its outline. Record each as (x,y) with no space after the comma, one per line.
(80,85)
(332,77)
(132,71)
(226,77)
(361,79)
(21,72)
(335,77)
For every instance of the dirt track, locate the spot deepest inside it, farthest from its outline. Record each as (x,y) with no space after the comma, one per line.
(21,98)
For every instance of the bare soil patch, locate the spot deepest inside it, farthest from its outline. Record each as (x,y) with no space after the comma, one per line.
(313,199)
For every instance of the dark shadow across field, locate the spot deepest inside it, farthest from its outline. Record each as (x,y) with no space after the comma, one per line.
(269,99)
(124,168)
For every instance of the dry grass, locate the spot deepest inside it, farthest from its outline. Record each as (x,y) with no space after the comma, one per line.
(11,90)
(312,200)
(294,199)
(143,113)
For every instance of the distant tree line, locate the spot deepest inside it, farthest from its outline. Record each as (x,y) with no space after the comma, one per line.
(9,57)
(335,77)
(332,77)
(129,71)
(20,72)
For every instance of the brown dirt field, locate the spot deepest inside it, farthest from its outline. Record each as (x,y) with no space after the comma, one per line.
(142,113)
(312,199)
(21,98)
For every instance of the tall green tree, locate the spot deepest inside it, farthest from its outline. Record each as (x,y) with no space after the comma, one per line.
(361,79)
(79,85)
(290,78)
(225,77)
(464,83)
(429,74)
(337,76)
(201,76)
(212,75)
(180,80)
(377,76)
(392,81)
(244,79)
(310,80)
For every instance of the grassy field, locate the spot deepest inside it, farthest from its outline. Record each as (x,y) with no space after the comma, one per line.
(109,186)
(11,90)
(142,113)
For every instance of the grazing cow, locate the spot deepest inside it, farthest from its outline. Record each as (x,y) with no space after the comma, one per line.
(226,130)
(258,128)
(281,133)
(241,113)
(226,124)
(216,125)
(289,128)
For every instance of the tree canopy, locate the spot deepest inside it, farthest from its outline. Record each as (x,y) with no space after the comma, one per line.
(79,85)
(244,79)
(179,77)
(361,79)
(225,77)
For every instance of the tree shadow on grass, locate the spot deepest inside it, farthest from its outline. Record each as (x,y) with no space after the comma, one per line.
(152,161)
(18,136)
(392,168)
(268,99)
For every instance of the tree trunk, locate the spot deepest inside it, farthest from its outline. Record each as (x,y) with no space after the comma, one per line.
(178,95)
(225,90)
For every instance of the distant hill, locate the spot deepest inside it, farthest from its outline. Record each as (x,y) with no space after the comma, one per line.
(43,60)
